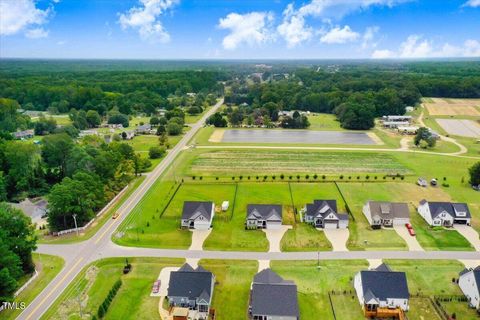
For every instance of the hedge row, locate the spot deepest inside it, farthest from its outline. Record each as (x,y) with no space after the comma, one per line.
(102,310)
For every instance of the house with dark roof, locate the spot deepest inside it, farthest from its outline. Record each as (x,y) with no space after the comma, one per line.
(198,214)
(444,213)
(144,129)
(263,216)
(26,134)
(386,214)
(323,214)
(382,292)
(273,298)
(469,283)
(193,289)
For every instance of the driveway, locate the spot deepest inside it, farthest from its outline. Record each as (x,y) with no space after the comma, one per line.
(263,264)
(164,278)
(198,237)
(470,234)
(338,238)
(274,237)
(412,242)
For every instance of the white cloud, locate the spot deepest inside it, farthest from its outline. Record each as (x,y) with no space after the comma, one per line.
(416,46)
(369,37)
(294,28)
(339,35)
(383,54)
(36,33)
(21,15)
(472,3)
(250,28)
(145,19)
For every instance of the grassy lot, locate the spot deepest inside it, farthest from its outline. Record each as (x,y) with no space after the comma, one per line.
(357,194)
(422,309)
(461,309)
(314,284)
(324,122)
(95,226)
(232,288)
(304,237)
(194,118)
(228,162)
(132,301)
(48,267)
(347,306)
(135,121)
(231,234)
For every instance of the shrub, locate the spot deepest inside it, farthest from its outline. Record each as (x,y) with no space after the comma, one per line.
(315,176)
(156,152)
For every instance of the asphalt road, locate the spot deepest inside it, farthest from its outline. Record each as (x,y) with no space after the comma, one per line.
(78,255)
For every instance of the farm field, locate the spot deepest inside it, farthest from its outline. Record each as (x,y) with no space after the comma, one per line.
(357,194)
(92,284)
(48,267)
(232,289)
(460,127)
(452,107)
(226,162)
(314,283)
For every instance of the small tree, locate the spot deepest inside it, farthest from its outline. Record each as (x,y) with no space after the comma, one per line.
(156,152)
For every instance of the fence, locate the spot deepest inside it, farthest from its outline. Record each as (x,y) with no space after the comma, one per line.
(345,201)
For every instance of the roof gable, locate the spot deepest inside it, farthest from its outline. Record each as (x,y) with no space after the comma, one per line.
(193,210)
(271,212)
(384,283)
(194,284)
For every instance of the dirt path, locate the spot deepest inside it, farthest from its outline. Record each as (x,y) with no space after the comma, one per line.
(412,242)
(338,238)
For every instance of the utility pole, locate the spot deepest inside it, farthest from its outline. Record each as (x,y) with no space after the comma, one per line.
(75,220)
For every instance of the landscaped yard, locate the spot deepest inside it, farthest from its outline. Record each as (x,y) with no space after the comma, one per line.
(232,286)
(91,287)
(48,267)
(357,194)
(231,234)
(314,283)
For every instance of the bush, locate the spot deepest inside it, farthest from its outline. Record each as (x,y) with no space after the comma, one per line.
(174,129)
(156,152)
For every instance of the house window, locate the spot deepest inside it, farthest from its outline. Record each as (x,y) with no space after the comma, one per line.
(202,308)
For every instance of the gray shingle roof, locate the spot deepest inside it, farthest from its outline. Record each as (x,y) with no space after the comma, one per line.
(273,296)
(265,212)
(389,210)
(321,208)
(384,283)
(191,283)
(436,208)
(193,209)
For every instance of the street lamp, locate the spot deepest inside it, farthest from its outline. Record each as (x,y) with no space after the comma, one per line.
(75,220)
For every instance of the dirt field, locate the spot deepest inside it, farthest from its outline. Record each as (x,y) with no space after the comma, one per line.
(464,128)
(452,107)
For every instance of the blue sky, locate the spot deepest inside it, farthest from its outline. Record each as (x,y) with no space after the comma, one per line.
(239,29)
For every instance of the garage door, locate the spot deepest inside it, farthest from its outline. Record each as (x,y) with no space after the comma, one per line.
(331,225)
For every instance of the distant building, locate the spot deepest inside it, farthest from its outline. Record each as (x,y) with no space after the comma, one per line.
(386,214)
(469,283)
(273,298)
(144,129)
(397,118)
(34,209)
(411,130)
(85,133)
(444,213)
(409,109)
(323,214)
(395,124)
(26,134)
(382,293)
(263,216)
(129,135)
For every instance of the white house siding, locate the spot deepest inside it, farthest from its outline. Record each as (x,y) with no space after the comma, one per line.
(343,224)
(394,303)
(366,212)
(357,284)
(424,211)
(400,221)
(469,288)
(274,224)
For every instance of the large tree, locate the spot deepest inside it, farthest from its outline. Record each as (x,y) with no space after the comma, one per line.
(474,172)
(56,150)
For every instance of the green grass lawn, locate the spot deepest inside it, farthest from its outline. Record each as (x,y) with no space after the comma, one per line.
(95,226)
(357,194)
(461,309)
(232,288)
(422,309)
(92,284)
(346,306)
(48,267)
(324,122)
(231,234)
(314,284)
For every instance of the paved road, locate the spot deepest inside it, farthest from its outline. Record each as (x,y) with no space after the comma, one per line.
(78,255)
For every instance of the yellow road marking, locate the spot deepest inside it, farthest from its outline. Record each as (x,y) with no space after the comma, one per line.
(54,288)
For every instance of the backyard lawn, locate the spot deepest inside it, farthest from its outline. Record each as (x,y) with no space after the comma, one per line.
(48,267)
(91,286)
(232,286)
(314,284)
(231,234)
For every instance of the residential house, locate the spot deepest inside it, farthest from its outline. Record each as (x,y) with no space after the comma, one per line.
(386,214)
(144,129)
(193,289)
(129,134)
(26,134)
(198,214)
(469,283)
(444,213)
(324,214)
(35,208)
(272,298)
(382,293)
(263,216)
